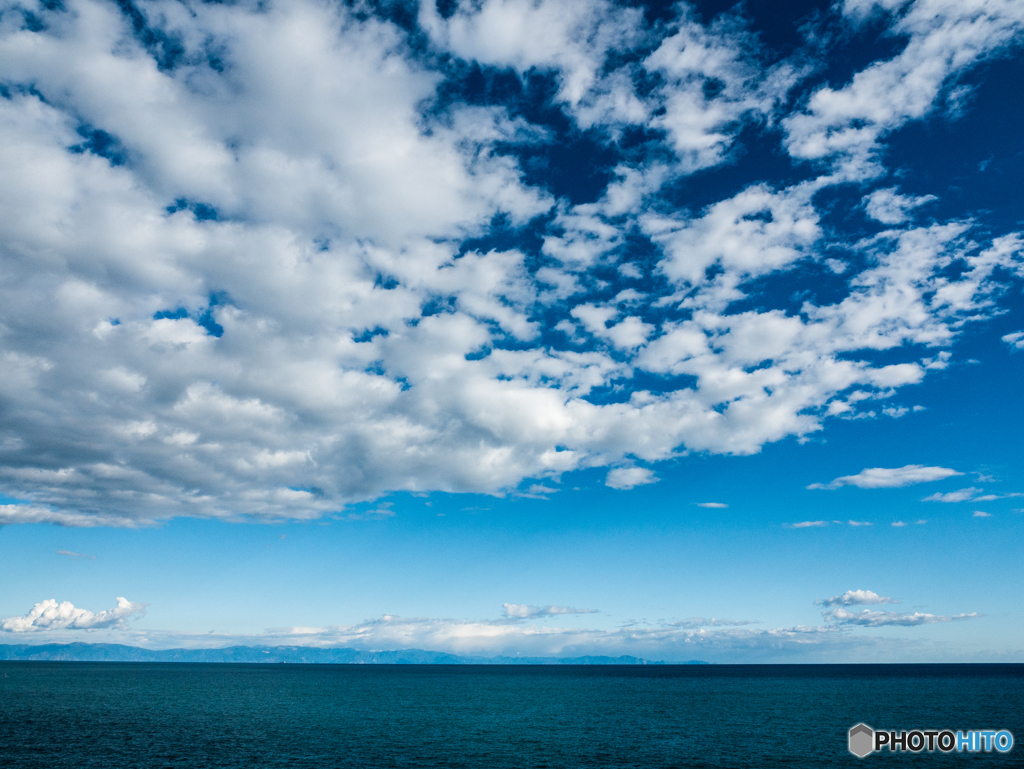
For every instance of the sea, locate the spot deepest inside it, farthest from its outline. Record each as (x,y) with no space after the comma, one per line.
(93,714)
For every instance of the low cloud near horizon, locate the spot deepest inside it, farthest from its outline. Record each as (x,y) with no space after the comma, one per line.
(839,615)
(868,618)
(855,597)
(670,640)
(49,615)
(522,611)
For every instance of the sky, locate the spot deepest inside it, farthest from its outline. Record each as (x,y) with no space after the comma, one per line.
(525,327)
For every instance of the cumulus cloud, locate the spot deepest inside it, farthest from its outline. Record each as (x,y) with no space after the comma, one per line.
(522,611)
(854,598)
(888,478)
(837,613)
(52,616)
(889,207)
(237,285)
(845,126)
(629,477)
(573,39)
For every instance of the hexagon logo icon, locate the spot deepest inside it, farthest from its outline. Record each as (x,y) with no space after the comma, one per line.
(862,738)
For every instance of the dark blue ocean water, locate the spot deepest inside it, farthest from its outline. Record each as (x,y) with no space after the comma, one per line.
(82,714)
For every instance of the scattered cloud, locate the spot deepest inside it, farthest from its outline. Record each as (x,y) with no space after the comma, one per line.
(381,512)
(537,491)
(660,641)
(629,477)
(845,126)
(713,505)
(982,514)
(76,556)
(321,318)
(855,598)
(888,207)
(528,630)
(49,615)
(713,640)
(868,618)
(27,513)
(1015,340)
(953,496)
(807,524)
(522,611)
(702,622)
(887,478)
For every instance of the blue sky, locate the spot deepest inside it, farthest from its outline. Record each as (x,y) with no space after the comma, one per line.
(514,327)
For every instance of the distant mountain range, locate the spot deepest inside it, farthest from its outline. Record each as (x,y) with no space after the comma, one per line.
(83,652)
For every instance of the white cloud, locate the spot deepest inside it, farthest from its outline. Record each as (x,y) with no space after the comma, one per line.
(538,491)
(571,38)
(713,640)
(522,611)
(982,514)
(755,232)
(525,630)
(628,477)
(1015,340)
(701,126)
(845,126)
(702,622)
(712,505)
(888,207)
(888,478)
(807,524)
(76,556)
(868,618)
(52,616)
(321,224)
(855,598)
(11,514)
(961,495)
